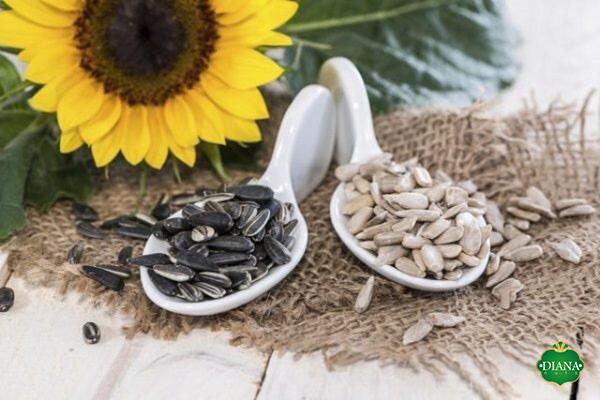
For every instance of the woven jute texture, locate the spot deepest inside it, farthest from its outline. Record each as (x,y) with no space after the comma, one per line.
(312,310)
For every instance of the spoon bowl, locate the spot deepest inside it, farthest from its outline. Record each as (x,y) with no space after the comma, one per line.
(356,143)
(300,160)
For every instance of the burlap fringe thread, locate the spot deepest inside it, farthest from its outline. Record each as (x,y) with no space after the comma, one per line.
(313,309)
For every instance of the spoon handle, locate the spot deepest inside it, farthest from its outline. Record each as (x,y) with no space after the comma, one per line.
(304,146)
(356,141)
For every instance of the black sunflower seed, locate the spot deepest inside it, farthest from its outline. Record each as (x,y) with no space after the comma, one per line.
(289,242)
(189,292)
(248,212)
(75,253)
(259,252)
(159,231)
(176,225)
(123,220)
(220,221)
(213,291)
(216,197)
(260,235)
(276,230)
(174,272)
(163,285)
(203,233)
(239,278)
(124,255)
(214,206)
(274,206)
(150,260)
(84,212)
(182,199)
(161,209)
(105,278)
(231,243)
(261,271)
(199,248)
(140,232)
(257,193)
(213,278)
(88,230)
(91,333)
(228,258)
(144,219)
(228,269)
(289,228)
(7,299)
(190,210)
(277,251)
(257,224)
(118,270)
(182,240)
(233,208)
(196,261)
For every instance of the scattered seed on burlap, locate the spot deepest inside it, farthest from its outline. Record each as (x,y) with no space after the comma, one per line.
(444,320)
(568,250)
(506,292)
(363,301)
(417,332)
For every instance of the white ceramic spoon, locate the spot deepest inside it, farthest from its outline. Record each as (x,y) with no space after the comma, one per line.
(300,160)
(356,143)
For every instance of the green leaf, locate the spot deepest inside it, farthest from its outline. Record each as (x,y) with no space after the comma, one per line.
(408,51)
(13,122)
(213,153)
(15,160)
(9,76)
(55,176)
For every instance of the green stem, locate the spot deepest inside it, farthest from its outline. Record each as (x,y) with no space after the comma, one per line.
(142,188)
(363,18)
(311,44)
(175,166)
(18,88)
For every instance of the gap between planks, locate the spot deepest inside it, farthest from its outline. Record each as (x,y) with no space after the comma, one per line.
(264,374)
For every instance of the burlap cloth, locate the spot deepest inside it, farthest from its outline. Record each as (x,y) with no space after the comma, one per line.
(312,309)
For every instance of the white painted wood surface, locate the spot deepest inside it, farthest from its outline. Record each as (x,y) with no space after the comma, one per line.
(44,357)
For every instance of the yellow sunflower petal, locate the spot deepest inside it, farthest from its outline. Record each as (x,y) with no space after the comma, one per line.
(65,5)
(247,103)
(42,14)
(180,120)
(106,118)
(210,128)
(70,141)
(80,103)
(241,130)
(48,64)
(271,16)
(136,134)
(18,32)
(250,7)
(159,145)
(46,99)
(226,6)
(185,154)
(253,39)
(244,68)
(106,149)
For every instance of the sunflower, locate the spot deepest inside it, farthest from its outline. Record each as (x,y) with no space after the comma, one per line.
(145,77)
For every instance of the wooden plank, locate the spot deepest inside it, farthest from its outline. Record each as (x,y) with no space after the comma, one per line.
(589,383)
(308,378)
(4,270)
(45,357)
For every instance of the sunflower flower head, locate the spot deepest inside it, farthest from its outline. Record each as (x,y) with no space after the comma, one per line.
(148,77)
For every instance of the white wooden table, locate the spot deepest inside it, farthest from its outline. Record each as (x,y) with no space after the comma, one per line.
(43,356)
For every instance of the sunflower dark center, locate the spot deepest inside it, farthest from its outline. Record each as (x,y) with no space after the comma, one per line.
(146,51)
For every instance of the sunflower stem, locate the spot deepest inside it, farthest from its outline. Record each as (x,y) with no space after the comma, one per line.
(311,44)
(176,173)
(213,153)
(106,173)
(364,18)
(15,90)
(142,187)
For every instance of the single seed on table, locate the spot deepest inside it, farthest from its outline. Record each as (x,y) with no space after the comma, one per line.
(409,200)
(363,301)
(420,215)
(449,250)
(408,266)
(411,241)
(452,265)
(507,292)
(471,239)
(7,298)
(91,333)
(405,225)
(359,220)
(84,212)
(568,250)
(432,258)
(118,270)
(417,332)
(455,210)
(88,230)
(436,228)
(105,278)
(422,176)
(455,195)
(522,214)
(567,203)
(577,211)
(452,234)
(444,320)
(493,264)
(510,232)
(496,239)
(505,270)
(75,253)
(346,172)
(529,205)
(523,254)
(521,224)
(357,203)
(388,254)
(469,260)
(453,275)
(537,196)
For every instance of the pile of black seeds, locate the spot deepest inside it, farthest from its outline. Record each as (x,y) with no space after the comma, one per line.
(224,241)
